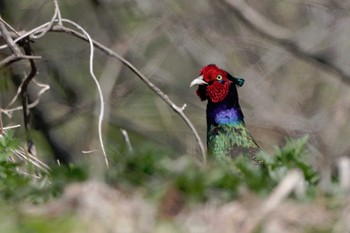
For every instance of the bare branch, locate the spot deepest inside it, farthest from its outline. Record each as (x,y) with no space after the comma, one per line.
(26,34)
(2,132)
(101,115)
(16,54)
(153,87)
(11,127)
(37,33)
(7,37)
(8,110)
(55,17)
(57,9)
(13,58)
(24,94)
(60,28)
(283,37)
(44,88)
(23,155)
(127,139)
(14,33)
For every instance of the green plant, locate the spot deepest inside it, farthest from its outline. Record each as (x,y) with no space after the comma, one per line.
(152,168)
(13,185)
(16,184)
(292,155)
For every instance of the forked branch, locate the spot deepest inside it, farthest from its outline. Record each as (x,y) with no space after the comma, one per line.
(59,27)
(154,88)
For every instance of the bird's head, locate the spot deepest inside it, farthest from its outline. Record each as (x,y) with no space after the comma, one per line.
(214,83)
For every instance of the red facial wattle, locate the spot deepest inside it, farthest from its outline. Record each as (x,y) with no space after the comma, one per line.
(218,91)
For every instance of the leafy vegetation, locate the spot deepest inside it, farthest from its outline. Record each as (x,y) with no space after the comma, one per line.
(13,185)
(34,186)
(153,171)
(220,180)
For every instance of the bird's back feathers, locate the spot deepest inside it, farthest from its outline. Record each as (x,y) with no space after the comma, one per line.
(232,140)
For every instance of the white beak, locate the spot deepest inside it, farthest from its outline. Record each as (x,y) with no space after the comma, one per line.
(198,81)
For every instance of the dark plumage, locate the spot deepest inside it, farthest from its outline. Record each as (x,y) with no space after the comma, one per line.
(226,131)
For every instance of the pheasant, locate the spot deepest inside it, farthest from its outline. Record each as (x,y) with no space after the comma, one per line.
(227,134)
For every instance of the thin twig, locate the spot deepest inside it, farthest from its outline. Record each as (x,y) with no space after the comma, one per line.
(13,58)
(10,27)
(59,18)
(11,127)
(24,94)
(56,16)
(127,139)
(154,88)
(44,88)
(91,66)
(2,132)
(41,31)
(109,52)
(9,41)
(26,34)
(21,154)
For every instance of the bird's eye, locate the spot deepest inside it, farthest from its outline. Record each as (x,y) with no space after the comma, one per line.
(219,77)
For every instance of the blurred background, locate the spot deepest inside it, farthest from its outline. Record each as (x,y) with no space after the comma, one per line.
(285,95)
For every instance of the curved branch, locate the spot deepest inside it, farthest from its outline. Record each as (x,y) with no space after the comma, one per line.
(154,88)
(42,29)
(99,89)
